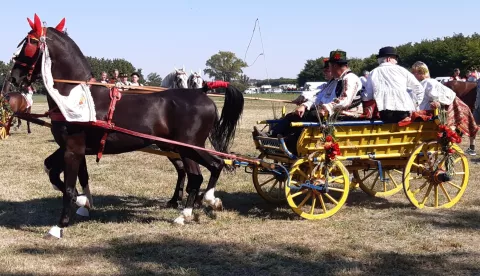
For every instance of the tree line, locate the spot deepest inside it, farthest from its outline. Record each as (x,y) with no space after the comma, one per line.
(441,55)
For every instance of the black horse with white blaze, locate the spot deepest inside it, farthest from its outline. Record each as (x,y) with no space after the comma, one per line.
(185,115)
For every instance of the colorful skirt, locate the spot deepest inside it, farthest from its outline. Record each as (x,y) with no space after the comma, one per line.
(460,116)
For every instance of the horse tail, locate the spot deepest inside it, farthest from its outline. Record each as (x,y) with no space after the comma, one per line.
(223,132)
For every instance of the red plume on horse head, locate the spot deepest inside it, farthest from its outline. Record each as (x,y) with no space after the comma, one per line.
(36,25)
(61,25)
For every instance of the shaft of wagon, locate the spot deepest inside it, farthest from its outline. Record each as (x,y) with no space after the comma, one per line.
(255,98)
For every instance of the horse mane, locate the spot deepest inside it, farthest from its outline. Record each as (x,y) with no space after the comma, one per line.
(190,79)
(167,81)
(72,49)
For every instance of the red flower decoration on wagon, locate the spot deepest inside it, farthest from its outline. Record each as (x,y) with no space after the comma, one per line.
(332,149)
(448,135)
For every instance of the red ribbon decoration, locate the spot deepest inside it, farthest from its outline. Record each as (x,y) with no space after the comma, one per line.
(217,84)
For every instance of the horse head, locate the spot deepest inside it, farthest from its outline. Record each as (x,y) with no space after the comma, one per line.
(195,80)
(30,52)
(180,78)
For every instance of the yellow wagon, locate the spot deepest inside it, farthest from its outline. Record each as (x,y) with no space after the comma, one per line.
(381,158)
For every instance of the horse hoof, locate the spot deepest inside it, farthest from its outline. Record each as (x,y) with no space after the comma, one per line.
(181,220)
(55,188)
(82,201)
(218,205)
(172,204)
(55,232)
(83,212)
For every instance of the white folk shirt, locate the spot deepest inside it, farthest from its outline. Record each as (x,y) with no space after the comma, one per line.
(389,85)
(363,79)
(310,94)
(328,98)
(435,91)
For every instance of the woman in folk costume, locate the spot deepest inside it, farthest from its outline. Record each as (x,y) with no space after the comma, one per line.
(459,114)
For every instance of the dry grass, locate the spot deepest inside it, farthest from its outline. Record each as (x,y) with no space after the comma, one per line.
(130,232)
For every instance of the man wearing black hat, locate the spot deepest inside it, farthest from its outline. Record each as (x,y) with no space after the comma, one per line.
(388,85)
(339,94)
(135,78)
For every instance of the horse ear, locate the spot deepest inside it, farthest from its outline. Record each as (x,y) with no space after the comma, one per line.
(183,68)
(175,68)
(61,25)
(37,25)
(191,72)
(31,23)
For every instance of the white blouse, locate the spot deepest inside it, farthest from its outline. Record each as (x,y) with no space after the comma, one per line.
(389,85)
(327,97)
(435,91)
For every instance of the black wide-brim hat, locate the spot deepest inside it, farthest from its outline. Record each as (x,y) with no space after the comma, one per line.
(386,52)
(135,74)
(338,57)
(123,75)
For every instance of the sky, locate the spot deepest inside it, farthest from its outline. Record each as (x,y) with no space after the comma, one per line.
(158,36)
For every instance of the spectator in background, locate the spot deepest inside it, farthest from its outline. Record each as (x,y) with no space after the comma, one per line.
(456,75)
(104,77)
(472,77)
(467,75)
(123,79)
(114,78)
(135,78)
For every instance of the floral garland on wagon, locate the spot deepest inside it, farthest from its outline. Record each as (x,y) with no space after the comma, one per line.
(446,138)
(329,141)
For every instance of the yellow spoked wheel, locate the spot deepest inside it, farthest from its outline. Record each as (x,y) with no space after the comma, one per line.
(269,185)
(384,184)
(315,191)
(426,183)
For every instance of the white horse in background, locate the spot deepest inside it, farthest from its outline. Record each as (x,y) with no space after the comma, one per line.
(195,80)
(176,79)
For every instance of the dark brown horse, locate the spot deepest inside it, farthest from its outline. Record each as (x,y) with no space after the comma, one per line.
(466,91)
(18,104)
(185,115)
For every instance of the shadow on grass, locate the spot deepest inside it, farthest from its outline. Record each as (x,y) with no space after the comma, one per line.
(177,255)
(361,199)
(251,205)
(46,211)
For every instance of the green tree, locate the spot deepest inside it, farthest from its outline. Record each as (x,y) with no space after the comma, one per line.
(312,71)
(108,65)
(153,79)
(224,66)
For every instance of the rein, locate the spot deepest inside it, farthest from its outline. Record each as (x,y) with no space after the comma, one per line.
(143,89)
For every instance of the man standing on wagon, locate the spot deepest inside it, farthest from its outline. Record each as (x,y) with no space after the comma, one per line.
(388,85)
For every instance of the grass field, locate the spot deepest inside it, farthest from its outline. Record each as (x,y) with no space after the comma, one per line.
(130,232)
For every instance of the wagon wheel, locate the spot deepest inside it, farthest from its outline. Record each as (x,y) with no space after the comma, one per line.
(269,186)
(387,185)
(306,192)
(424,181)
